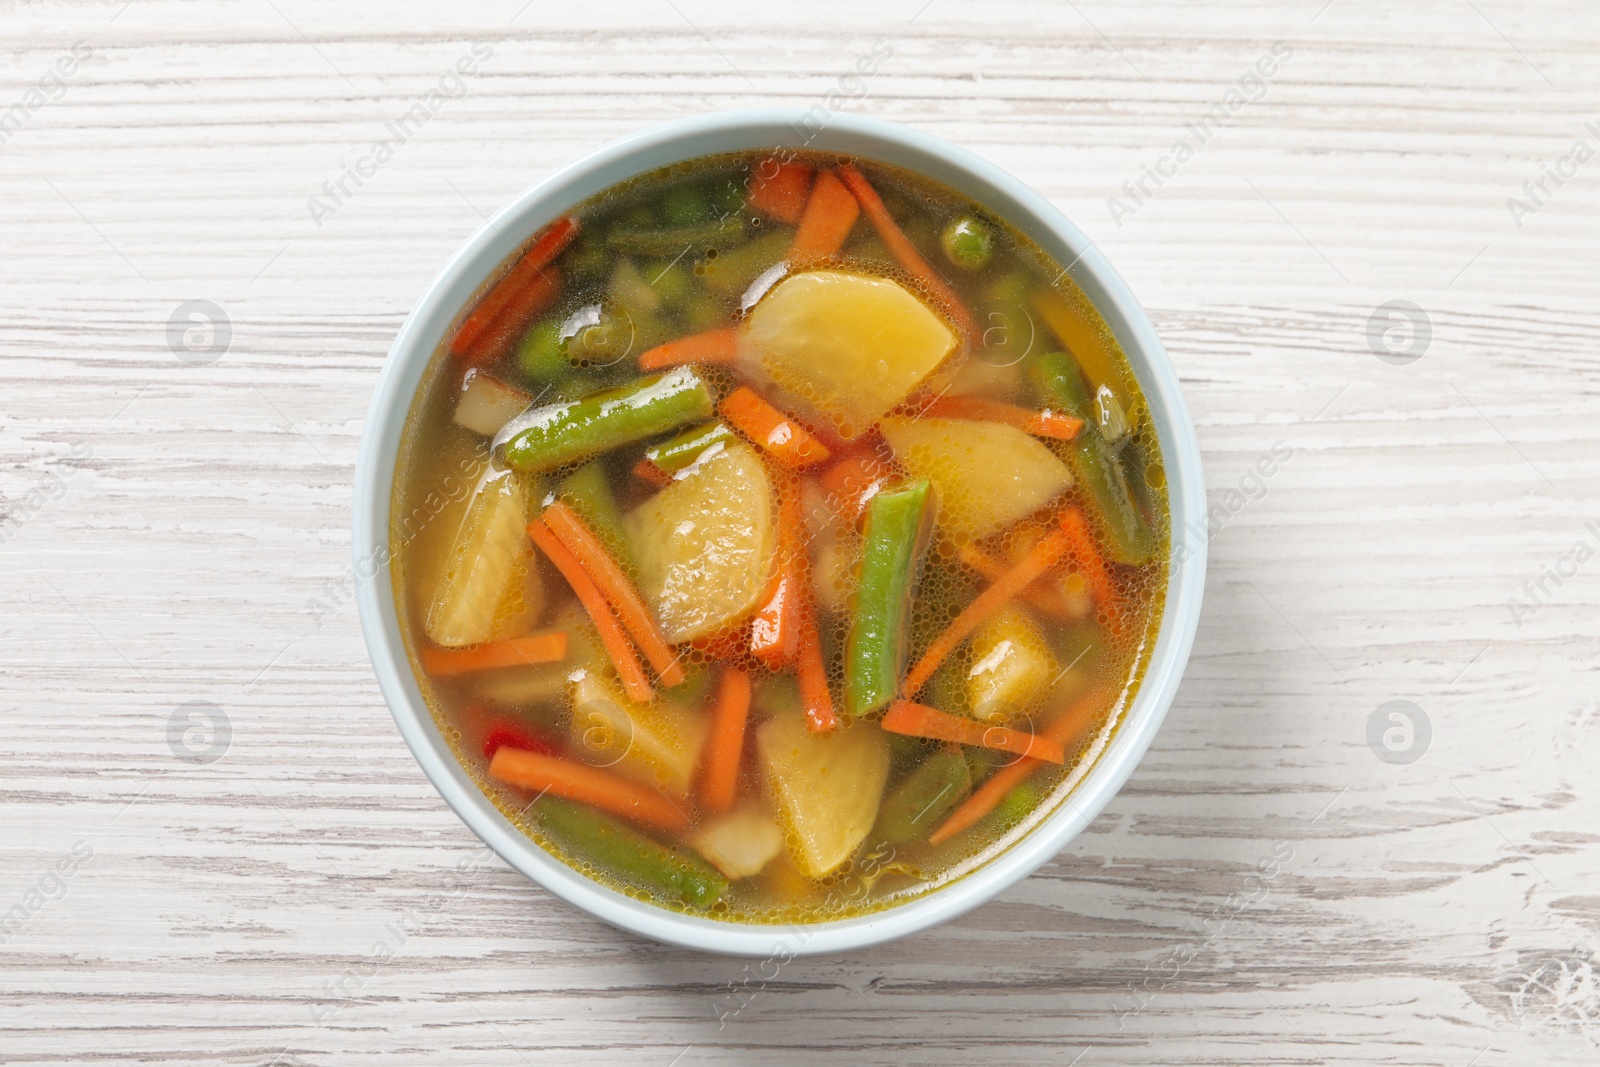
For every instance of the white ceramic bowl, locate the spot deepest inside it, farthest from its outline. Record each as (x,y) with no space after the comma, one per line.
(423,332)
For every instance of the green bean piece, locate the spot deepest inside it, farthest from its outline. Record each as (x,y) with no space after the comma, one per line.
(670,240)
(630,855)
(899,527)
(1017,804)
(1129,537)
(919,802)
(677,453)
(968,243)
(906,754)
(685,205)
(587,259)
(982,762)
(542,354)
(731,272)
(587,491)
(557,434)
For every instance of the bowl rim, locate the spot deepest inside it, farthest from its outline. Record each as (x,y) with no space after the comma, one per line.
(690,138)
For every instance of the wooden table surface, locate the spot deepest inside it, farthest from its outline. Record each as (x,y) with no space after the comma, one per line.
(218,851)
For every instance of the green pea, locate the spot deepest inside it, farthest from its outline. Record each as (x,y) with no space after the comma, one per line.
(968,243)
(671,280)
(542,354)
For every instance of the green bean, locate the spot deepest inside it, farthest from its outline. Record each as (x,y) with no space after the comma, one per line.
(557,434)
(675,454)
(899,526)
(587,259)
(917,804)
(968,243)
(1017,804)
(671,240)
(587,491)
(1098,470)
(623,851)
(686,204)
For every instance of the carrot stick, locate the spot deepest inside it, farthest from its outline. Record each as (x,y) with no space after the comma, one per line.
(1046,423)
(587,785)
(629,669)
(775,627)
(780,190)
(523,290)
(617,589)
(829,215)
(854,480)
(905,253)
(720,346)
(781,437)
(919,720)
(548,647)
(812,675)
(726,745)
(646,471)
(1046,554)
(987,567)
(1093,567)
(1067,727)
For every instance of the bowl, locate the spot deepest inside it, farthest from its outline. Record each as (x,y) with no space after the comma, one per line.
(424,331)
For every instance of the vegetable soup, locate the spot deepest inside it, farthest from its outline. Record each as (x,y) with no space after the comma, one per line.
(778,537)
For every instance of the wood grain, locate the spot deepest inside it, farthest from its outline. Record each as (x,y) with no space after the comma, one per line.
(307,898)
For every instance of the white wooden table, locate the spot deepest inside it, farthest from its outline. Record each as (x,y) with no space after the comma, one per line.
(291,890)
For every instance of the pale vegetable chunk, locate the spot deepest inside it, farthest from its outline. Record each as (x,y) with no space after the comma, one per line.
(987,475)
(1012,667)
(656,743)
(706,544)
(740,843)
(827,786)
(844,348)
(487,404)
(489,586)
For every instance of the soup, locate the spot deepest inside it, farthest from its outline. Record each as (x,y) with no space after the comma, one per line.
(777,538)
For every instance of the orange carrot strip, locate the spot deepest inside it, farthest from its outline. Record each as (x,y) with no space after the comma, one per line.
(905,253)
(775,627)
(726,744)
(1046,554)
(1094,569)
(1046,423)
(720,346)
(1067,727)
(629,669)
(614,585)
(854,480)
(1046,600)
(781,437)
(780,190)
(587,785)
(646,471)
(548,647)
(812,675)
(919,720)
(829,215)
(524,289)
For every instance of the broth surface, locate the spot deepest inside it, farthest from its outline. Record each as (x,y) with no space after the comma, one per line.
(804,412)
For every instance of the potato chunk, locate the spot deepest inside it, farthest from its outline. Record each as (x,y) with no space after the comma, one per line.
(706,544)
(844,348)
(740,843)
(489,587)
(988,475)
(827,786)
(657,743)
(1011,668)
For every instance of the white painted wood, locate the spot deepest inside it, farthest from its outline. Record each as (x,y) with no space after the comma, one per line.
(1444,912)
